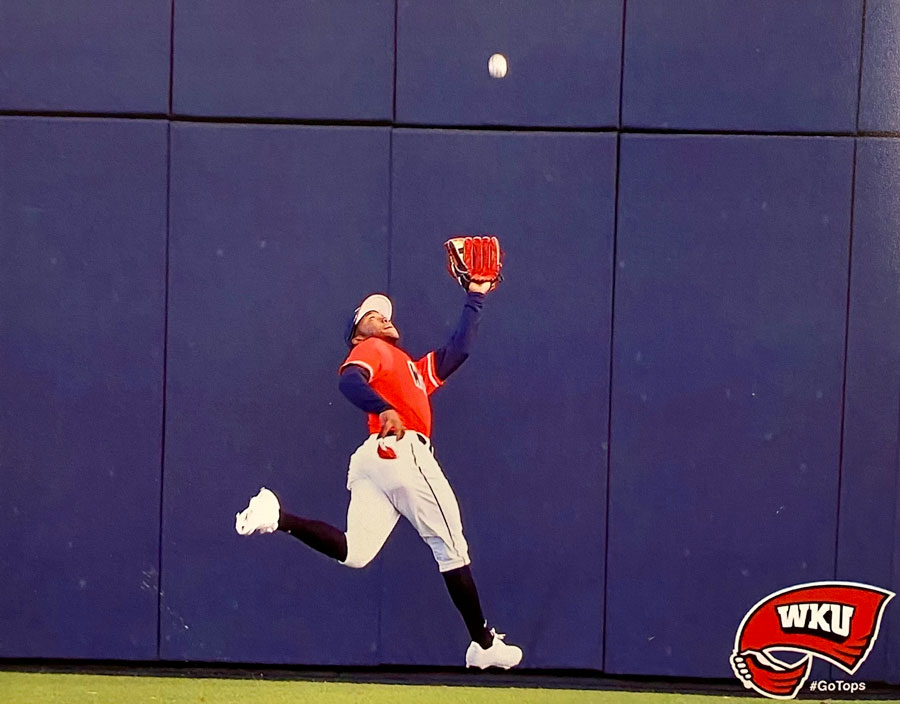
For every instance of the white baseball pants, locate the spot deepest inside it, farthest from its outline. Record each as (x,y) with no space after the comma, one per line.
(412,485)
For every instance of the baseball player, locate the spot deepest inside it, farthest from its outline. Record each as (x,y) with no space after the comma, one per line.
(394,472)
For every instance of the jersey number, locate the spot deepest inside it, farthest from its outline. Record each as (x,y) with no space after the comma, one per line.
(417,378)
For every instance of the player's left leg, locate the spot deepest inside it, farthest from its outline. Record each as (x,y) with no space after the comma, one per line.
(461,586)
(429,503)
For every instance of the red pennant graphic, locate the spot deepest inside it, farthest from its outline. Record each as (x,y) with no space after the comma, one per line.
(835,621)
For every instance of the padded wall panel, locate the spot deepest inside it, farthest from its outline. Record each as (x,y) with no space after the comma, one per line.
(520,428)
(276,235)
(563,62)
(302,59)
(893,619)
(729,65)
(730,299)
(869,476)
(87,56)
(82,286)
(879,109)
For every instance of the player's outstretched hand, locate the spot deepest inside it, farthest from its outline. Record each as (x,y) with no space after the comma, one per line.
(390,422)
(480,287)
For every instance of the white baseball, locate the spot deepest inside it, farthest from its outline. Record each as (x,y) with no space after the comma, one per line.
(497,66)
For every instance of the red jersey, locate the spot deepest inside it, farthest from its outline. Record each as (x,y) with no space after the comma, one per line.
(401,382)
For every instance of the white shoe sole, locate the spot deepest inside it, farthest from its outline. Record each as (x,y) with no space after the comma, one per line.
(485,667)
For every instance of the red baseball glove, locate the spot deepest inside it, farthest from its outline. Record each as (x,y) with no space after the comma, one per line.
(474,259)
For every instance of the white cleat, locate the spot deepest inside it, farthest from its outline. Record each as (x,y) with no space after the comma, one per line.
(260,516)
(498,655)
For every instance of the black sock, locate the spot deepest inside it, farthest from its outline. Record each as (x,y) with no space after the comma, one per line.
(320,536)
(462,590)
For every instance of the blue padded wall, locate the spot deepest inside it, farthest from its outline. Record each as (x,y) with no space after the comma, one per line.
(302,59)
(892,625)
(87,56)
(276,235)
(879,108)
(869,477)
(731,65)
(145,378)
(520,429)
(563,58)
(732,256)
(82,232)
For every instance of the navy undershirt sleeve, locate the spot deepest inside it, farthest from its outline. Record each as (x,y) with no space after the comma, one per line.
(449,357)
(354,384)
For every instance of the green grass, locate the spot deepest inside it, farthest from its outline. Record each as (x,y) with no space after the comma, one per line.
(39,688)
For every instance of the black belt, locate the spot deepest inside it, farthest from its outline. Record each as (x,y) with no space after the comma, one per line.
(422,439)
(425,441)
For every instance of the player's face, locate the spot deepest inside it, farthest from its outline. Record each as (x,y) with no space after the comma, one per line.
(375,324)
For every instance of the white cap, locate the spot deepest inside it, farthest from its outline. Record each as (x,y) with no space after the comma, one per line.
(377,302)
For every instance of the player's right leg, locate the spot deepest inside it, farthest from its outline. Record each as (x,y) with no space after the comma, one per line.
(260,516)
(265,515)
(370,519)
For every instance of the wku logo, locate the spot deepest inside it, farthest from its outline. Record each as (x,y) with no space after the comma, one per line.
(835,621)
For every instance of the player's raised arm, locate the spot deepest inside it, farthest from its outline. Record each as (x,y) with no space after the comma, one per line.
(475,262)
(448,358)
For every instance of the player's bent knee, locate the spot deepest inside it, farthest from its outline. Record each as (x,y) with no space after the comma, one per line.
(356,561)
(357,555)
